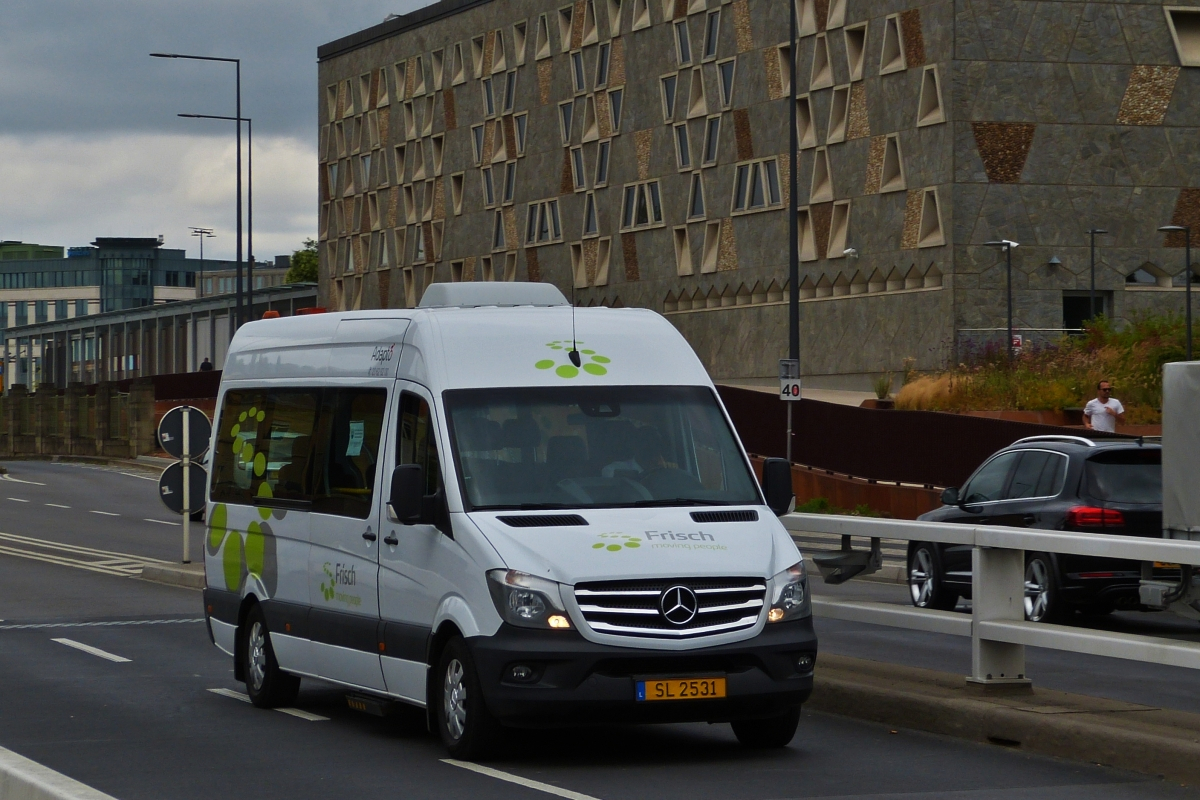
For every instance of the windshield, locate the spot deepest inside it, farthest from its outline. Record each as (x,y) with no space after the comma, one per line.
(595,447)
(1125,476)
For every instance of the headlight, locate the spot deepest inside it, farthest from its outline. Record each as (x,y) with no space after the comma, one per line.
(527,600)
(790,599)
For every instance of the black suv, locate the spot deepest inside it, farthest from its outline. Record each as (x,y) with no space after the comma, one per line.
(1054,483)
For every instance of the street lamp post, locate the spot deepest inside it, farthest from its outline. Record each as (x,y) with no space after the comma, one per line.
(1007,246)
(793,222)
(1187,270)
(249,206)
(1092,291)
(237,62)
(203,233)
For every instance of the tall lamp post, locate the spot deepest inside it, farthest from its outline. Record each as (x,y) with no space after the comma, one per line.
(1007,246)
(203,233)
(793,222)
(237,63)
(1187,261)
(1092,290)
(249,204)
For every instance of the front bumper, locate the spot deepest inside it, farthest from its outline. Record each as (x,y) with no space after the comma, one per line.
(576,681)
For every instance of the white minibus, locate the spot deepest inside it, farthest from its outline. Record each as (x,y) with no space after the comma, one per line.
(503,510)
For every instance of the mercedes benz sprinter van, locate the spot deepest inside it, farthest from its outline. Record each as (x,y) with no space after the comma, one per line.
(503,510)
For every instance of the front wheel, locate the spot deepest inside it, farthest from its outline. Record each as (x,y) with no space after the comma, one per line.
(926,583)
(266,684)
(467,728)
(770,733)
(1042,603)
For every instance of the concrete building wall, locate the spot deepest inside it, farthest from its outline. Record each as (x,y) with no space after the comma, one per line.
(933,127)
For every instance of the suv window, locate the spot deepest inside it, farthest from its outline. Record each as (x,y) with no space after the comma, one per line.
(1125,476)
(988,483)
(352,420)
(265,445)
(1039,473)
(418,442)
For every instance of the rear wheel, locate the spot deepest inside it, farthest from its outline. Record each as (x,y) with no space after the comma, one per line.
(926,584)
(1042,603)
(467,728)
(769,733)
(266,684)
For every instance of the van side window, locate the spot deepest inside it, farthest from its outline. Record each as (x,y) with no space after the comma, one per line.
(265,445)
(351,426)
(417,443)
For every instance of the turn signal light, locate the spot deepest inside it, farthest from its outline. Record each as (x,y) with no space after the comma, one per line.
(1091,517)
(558,621)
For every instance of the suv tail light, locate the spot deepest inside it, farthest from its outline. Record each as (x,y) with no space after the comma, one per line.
(1092,517)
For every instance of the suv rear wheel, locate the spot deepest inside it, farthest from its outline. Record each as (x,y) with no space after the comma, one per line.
(926,584)
(1042,603)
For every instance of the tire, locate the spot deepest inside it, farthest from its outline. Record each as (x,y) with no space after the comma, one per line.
(1042,603)
(926,585)
(267,685)
(770,733)
(467,728)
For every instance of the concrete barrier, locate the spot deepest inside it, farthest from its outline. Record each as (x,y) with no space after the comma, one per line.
(22,779)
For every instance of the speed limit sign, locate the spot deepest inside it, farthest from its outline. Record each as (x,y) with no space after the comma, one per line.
(789,379)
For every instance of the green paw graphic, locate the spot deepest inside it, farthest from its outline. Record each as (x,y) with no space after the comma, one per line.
(615,542)
(594,366)
(328,591)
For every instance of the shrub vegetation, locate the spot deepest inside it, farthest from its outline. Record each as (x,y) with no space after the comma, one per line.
(1060,375)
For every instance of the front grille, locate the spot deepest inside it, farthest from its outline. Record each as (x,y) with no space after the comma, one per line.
(632,608)
(544,521)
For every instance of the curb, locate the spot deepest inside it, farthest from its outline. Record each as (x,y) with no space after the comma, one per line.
(1141,739)
(22,779)
(143,462)
(189,576)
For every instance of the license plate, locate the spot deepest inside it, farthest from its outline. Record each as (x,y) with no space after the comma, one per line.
(680,689)
(1165,565)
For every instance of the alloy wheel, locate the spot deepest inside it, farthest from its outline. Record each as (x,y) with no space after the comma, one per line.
(920,578)
(257,652)
(454,699)
(1037,590)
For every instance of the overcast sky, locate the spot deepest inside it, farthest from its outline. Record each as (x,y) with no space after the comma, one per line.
(90,144)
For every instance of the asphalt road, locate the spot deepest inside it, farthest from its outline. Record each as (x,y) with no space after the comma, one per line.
(151,726)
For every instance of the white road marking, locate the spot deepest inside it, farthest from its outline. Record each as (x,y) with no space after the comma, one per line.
(18,500)
(293,712)
(69,555)
(105,513)
(296,712)
(11,479)
(161,521)
(56,505)
(109,624)
(518,780)
(87,648)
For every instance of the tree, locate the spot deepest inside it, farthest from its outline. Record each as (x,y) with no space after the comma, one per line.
(303,268)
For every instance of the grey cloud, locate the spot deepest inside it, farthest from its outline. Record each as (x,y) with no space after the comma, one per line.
(81,66)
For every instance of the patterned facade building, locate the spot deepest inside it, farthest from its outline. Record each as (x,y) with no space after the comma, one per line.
(636,152)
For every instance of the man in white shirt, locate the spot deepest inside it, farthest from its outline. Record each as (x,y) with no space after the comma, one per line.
(1103,412)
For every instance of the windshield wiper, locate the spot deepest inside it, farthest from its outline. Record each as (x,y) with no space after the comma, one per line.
(524,507)
(676,501)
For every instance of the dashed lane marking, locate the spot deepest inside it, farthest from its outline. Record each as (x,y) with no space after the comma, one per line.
(105,513)
(69,555)
(96,651)
(161,521)
(518,780)
(292,712)
(18,500)
(106,624)
(57,505)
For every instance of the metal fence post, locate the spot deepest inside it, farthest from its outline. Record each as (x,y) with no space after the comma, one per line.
(997,594)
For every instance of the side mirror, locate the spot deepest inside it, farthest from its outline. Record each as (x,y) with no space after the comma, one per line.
(405,503)
(777,486)
(950,496)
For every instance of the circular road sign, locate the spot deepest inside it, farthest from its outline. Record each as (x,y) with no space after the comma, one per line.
(170,488)
(170,431)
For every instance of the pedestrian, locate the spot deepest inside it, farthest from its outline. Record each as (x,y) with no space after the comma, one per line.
(1103,412)
(206,365)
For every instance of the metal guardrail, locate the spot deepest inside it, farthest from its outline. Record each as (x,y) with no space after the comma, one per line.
(997,626)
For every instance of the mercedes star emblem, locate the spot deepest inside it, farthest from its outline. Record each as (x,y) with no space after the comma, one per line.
(678,605)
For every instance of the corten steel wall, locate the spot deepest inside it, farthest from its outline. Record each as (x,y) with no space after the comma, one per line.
(924,447)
